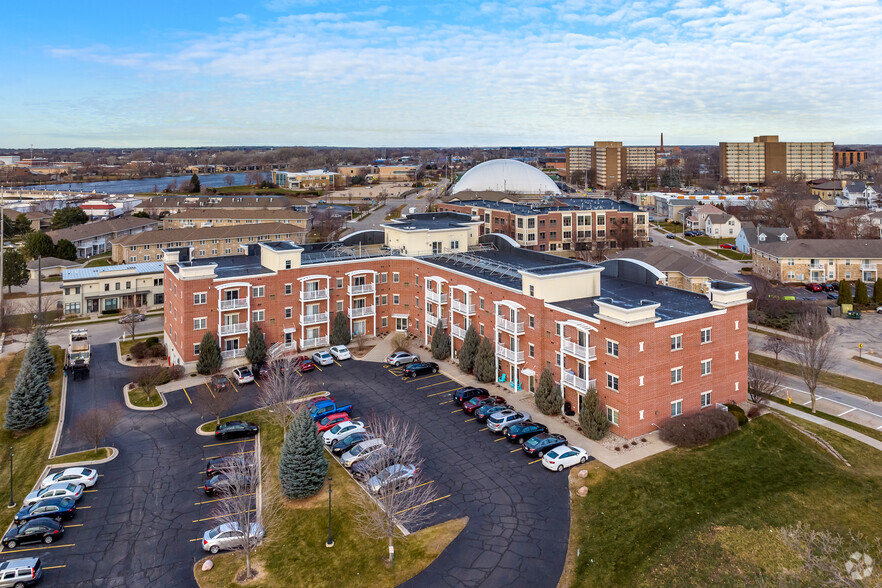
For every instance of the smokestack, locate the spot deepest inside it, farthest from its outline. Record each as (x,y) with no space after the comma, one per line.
(662,141)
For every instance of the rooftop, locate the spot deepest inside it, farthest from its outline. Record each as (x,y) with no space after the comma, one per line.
(161,236)
(667,259)
(431,221)
(823,248)
(105,227)
(88,273)
(557,205)
(239,214)
(48,262)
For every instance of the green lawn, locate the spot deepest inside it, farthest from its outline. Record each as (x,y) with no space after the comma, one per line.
(856,386)
(705,240)
(669,227)
(395,213)
(139,398)
(732,254)
(126,346)
(295,552)
(829,417)
(709,516)
(99,261)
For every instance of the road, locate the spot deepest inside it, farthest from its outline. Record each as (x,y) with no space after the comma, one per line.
(375,219)
(729,266)
(99,332)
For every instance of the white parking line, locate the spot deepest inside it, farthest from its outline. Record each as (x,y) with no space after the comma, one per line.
(846,412)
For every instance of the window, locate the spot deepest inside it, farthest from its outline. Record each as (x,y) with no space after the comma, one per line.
(612,415)
(384,299)
(394,277)
(257,316)
(454,245)
(384,322)
(200,324)
(257,291)
(157,282)
(532,290)
(288,312)
(705,399)
(481,303)
(558,360)
(339,306)
(227,251)
(200,298)
(676,342)
(287,264)
(195,348)
(339,282)
(532,350)
(612,348)
(395,299)
(676,408)
(612,382)
(706,335)
(116,286)
(383,277)
(482,329)
(288,289)
(133,259)
(677,375)
(705,367)
(531,321)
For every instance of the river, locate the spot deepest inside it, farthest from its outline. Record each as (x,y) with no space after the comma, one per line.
(145,185)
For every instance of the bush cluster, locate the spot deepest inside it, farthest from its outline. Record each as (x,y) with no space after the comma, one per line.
(145,349)
(738,412)
(699,428)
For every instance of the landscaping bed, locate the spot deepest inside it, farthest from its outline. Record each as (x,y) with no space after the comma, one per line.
(138,397)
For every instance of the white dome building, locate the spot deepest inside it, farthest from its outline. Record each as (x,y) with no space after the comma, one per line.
(506,175)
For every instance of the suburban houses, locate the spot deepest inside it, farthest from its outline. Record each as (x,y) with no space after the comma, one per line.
(752,234)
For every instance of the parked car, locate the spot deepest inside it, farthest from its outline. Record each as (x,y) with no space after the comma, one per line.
(503,420)
(319,400)
(341,430)
(340,352)
(401,357)
(57,509)
(25,571)
(322,358)
(74,491)
(831,287)
(670,236)
(322,410)
(303,363)
(394,477)
(243,375)
(347,443)
(832,296)
(521,432)
(690,234)
(564,457)
(420,368)
(726,246)
(40,530)
(132,318)
(262,371)
(85,476)
(235,429)
(220,383)
(853,314)
(219,465)
(228,536)
(467,393)
(328,422)
(222,482)
(361,451)
(368,466)
(487,410)
(879,309)
(476,402)
(542,443)
(814,287)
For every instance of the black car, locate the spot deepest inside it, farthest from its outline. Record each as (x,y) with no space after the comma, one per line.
(420,368)
(371,465)
(222,482)
(350,441)
(60,508)
(831,287)
(467,393)
(40,530)
(236,429)
(670,236)
(221,464)
(523,431)
(540,444)
(483,413)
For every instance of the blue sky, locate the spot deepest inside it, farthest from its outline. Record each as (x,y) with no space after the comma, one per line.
(445,73)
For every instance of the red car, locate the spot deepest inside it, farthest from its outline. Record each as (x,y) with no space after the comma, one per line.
(727,246)
(473,404)
(331,420)
(303,364)
(814,287)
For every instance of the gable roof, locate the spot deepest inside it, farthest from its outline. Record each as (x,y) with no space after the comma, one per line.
(240,214)
(163,236)
(719,219)
(667,259)
(104,227)
(50,262)
(820,248)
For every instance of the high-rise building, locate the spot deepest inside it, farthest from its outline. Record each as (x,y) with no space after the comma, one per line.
(848,158)
(615,164)
(767,158)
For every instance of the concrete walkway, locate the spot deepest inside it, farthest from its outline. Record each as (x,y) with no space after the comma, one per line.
(874,443)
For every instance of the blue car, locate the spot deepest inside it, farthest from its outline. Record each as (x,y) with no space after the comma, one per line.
(542,443)
(483,413)
(58,509)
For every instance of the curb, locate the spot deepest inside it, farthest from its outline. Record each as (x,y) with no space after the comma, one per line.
(147,408)
(199,430)
(61,411)
(114,453)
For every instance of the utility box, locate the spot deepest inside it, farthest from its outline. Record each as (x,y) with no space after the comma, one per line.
(834,311)
(846,307)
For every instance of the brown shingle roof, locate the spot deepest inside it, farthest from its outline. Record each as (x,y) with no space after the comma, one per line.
(164,236)
(105,227)
(240,214)
(666,259)
(823,248)
(216,202)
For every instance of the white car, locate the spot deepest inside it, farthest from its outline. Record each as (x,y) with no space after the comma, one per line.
(75,491)
(83,476)
(342,430)
(243,375)
(340,352)
(401,357)
(228,536)
(503,419)
(322,358)
(563,457)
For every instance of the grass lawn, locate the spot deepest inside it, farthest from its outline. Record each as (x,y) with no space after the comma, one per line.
(395,213)
(139,398)
(708,516)
(126,346)
(854,385)
(733,254)
(31,448)
(829,417)
(99,262)
(705,240)
(867,361)
(295,552)
(90,455)
(670,227)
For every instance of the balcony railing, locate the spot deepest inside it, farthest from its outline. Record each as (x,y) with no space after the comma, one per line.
(579,351)
(233,353)
(457,332)
(462,307)
(509,355)
(433,321)
(508,326)
(314,294)
(234,329)
(361,311)
(233,304)
(314,342)
(362,289)
(432,296)
(868,267)
(816,266)
(580,384)
(313,318)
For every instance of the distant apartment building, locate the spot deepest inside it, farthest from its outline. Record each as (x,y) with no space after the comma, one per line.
(175,204)
(95,238)
(818,260)
(112,288)
(767,158)
(395,173)
(848,158)
(314,179)
(614,164)
(228,217)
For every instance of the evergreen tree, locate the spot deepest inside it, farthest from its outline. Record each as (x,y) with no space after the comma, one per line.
(255,351)
(26,407)
(340,334)
(860,293)
(195,184)
(469,349)
(592,416)
(440,343)
(15,269)
(485,365)
(22,224)
(302,463)
(845,292)
(549,399)
(37,243)
(877,291)
(141,214)
(64,249)
(68,216)
(210,358)
(44,361)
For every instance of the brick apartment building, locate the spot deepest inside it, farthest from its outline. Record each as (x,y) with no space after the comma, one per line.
(652,352)
(211,217)
(818,260)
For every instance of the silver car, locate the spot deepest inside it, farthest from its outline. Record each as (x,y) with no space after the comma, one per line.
(503,419)
(401,358)
(361,451)
(75,491)
(394,477)
(228,536)
(20,572)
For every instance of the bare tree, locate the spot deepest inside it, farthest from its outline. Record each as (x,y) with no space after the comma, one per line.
(229,179)
(132,325)
(280,389)
(829,559)
(214,402)
(776,345)
(151,377)
(762,383)
(811,348)
(392,503)
(94,425)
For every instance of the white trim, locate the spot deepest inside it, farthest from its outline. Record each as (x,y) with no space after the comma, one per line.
(361,271)
(577,324)
(653,270)
(510,304)
(506,238)
(437,279)
(463,288)
(314,277)
(233,285)
(399,315)
(686,319)
(289,330)
(528,372)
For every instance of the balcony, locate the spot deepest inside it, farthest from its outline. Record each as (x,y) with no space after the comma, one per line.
(816,266)
(362,289)
(503,324)
(578,351)
(309,295)
(433,321)
(579,384)
(314,342)
(509,355)
(313,318)
(462,307)
(361,311)
(457,332)
(233,329)
(233,353)
(868,267)
(432,296)
(233,304)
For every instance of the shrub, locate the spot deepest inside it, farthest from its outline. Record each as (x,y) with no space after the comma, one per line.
(140,350)
(592,416)
(157,350)
(485,365)
(738,412)
(151,341)
(747,268)
(440,343)
(110,311)
(699,428)
(754,412)
(549,399)
(176,372)
(469,349)
(400,342)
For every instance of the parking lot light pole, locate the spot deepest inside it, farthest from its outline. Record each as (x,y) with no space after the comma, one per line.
(330,541)
(11,498)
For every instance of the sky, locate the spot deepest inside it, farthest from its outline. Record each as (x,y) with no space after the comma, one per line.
(443,73)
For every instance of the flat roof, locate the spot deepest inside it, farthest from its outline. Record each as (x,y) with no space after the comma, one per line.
(86,273)
(431,220)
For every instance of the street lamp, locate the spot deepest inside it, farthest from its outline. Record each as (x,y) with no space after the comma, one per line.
(330,541)
(11,498)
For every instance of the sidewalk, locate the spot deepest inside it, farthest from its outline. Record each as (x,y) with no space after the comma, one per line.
(524,401)
(874,443)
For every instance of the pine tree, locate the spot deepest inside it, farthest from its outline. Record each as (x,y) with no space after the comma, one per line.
(877,291)
(845,292)
(44,360)
(26,407)
(64,249)
(485,365)
(440,343)
(548,396)
(210,358)
(302,463)
(592,416)
(255,351)
(860,293)
(195,184)
(15,269)
(469,349)
(340,334)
